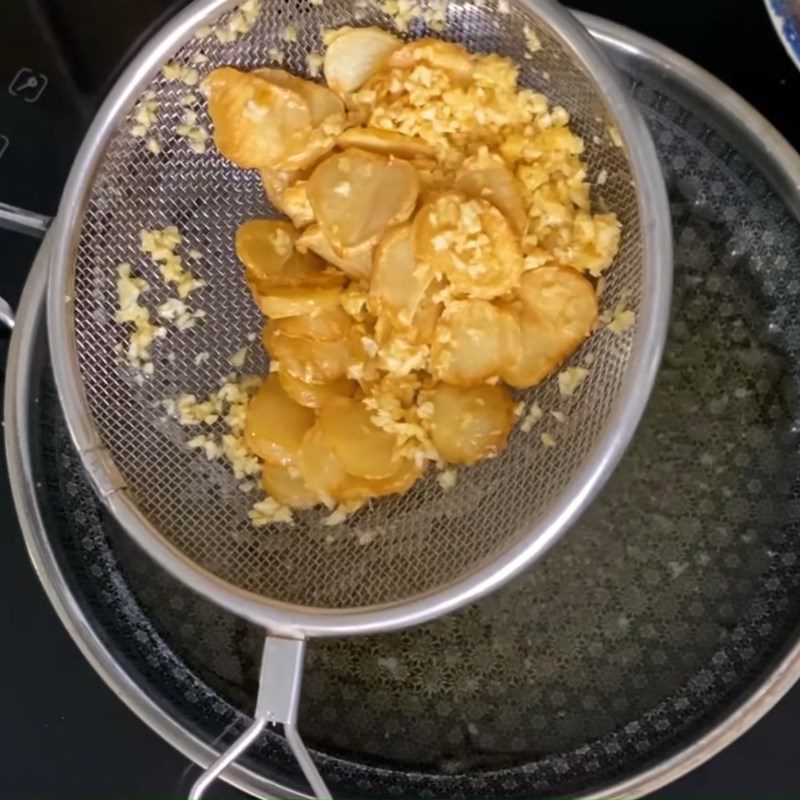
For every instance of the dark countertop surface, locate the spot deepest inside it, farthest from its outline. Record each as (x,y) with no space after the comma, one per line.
(63,732)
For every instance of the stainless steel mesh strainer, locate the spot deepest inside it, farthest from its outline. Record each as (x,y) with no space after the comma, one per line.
(404,560)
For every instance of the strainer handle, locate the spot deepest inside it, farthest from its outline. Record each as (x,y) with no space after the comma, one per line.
(277,701)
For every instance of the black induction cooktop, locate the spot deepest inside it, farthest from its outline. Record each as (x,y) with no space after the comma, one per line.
(62,732)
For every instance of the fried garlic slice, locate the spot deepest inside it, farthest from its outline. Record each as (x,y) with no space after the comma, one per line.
(275,424)
(365,450)
(558,310)
(256,123)
(471,243)
(399,281)
(474,341)
(355,55)
(471,424)
(357,195)
(358,265)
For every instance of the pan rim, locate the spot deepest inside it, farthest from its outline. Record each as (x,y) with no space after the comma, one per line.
(781,158)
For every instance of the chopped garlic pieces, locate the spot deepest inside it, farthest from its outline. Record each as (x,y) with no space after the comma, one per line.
(238,358)
(195,135)
(570,379)
(447,478)
(548,440)
(314,61)
(269,511)
(534,414)
(404,12)
(342,512)
(173,71)
(239,23)
(145,115)
(227,405)
(532,41)
(621,320)
(144,332)
(161,246)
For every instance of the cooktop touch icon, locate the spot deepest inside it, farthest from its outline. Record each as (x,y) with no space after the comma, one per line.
(27,85)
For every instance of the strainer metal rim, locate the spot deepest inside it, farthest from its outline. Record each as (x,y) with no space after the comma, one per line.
(299,621)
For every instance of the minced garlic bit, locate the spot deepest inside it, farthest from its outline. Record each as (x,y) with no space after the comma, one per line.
(548,440)
(570,379)
(161,246)
(534,414)
(201,358)
(239,23)
(145,115)
(519,409)
(447,478)
(314,61)
(558,416)
(154,146)
(199,58)
(532,41)
(602,177)
(404,12)
(316,2)
(289,33)
(275,55)
(412,424)
(614,135)
(621,320)
(268,512)
(228,406)
(207,444)
(130,312)
(188,99)
(342,512)
(173,71)
(195,135)
(238,358)
(171,309)
(503,7)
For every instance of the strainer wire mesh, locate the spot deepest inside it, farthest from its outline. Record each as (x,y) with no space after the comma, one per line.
(398,547)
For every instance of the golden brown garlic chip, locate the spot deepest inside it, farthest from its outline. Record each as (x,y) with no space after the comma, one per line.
(474,341)
(357,195)
(355,55)
(471,243)
(365,450)
(287,485)
(399,281)
(558,311)
(471,424)
(275,424)
(314,395)
(256,122)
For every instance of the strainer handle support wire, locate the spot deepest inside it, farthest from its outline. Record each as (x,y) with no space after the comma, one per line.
(277,701)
